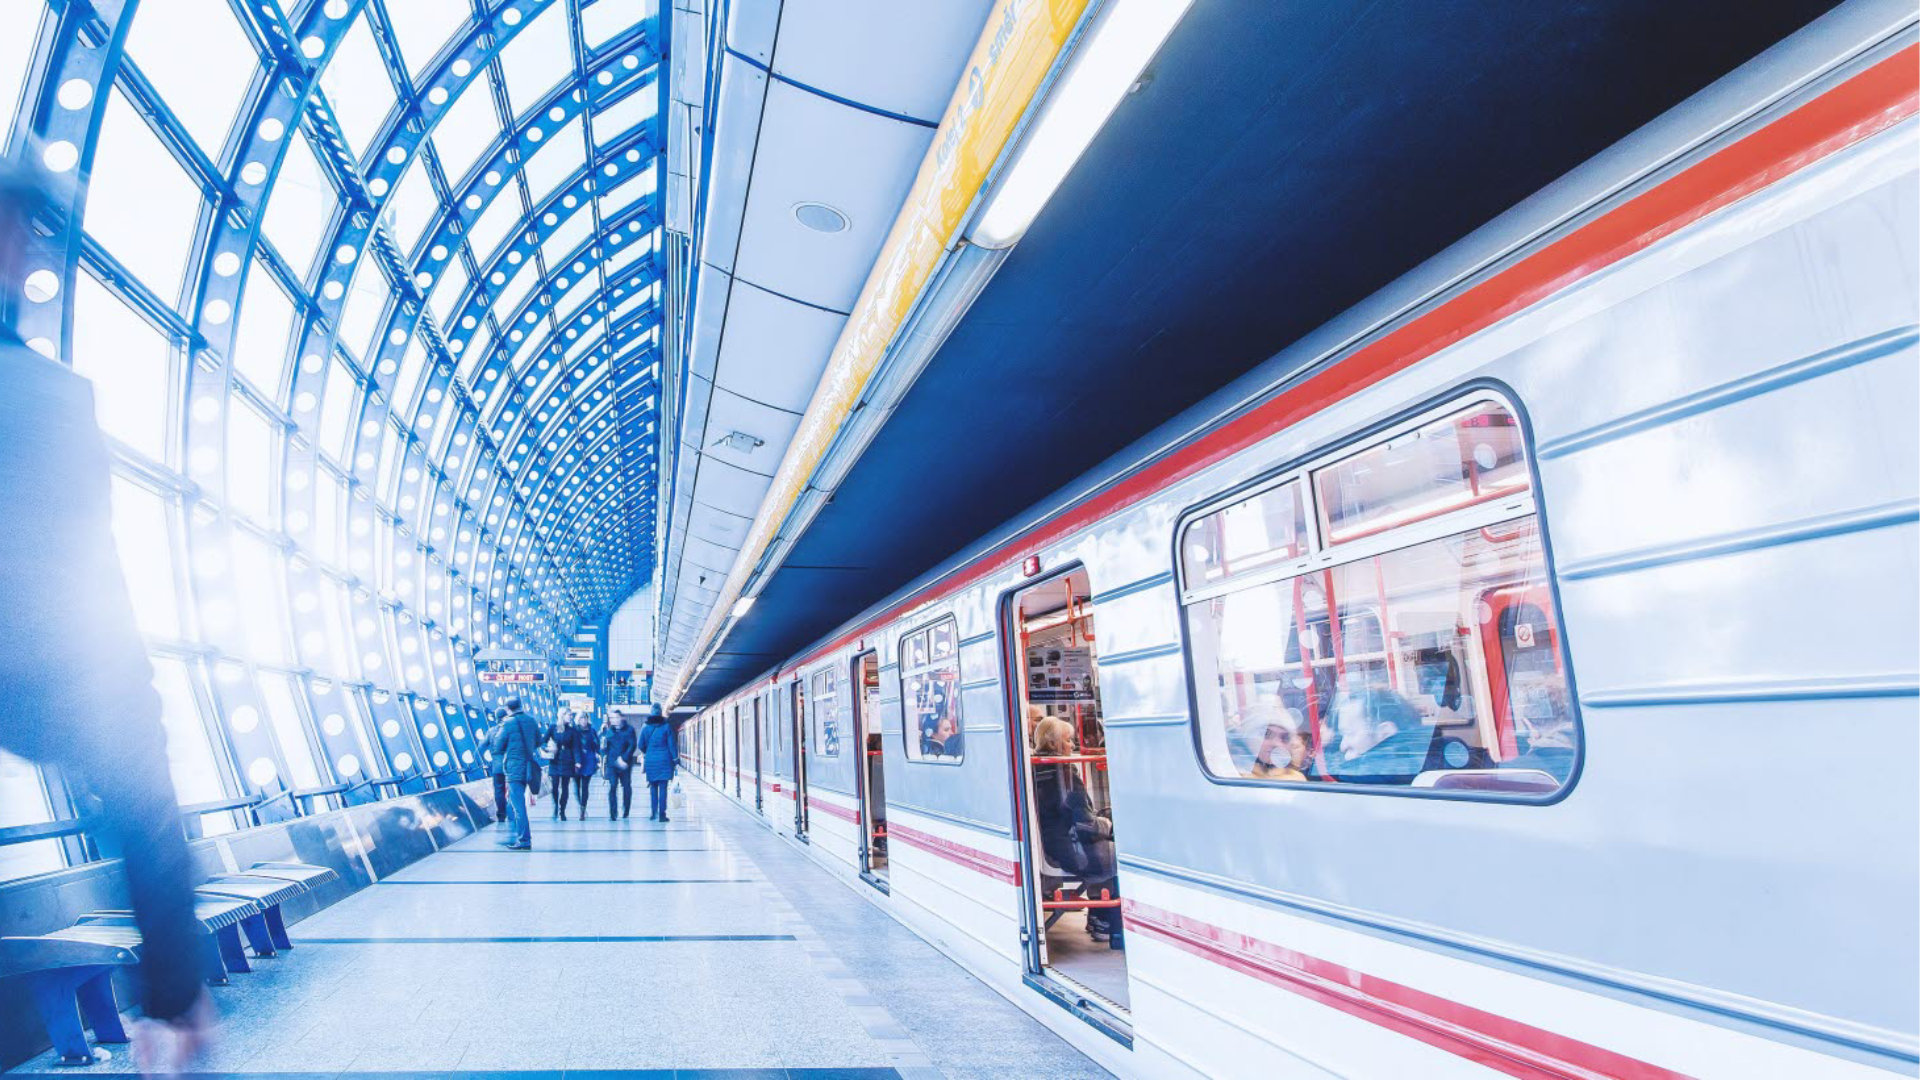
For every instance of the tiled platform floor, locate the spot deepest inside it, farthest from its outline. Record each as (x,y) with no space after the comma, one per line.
(706,948)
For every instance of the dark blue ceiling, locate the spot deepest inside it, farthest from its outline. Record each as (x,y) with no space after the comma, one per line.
(1282,163)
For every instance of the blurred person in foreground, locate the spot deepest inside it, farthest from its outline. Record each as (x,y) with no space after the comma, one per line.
(73,668)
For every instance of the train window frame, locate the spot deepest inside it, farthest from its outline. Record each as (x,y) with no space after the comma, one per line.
(817,717)
(1323,556)
(908,733)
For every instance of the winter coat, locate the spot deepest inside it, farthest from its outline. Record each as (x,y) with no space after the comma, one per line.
(660,748)
(586,752)
(1066,815)
(566,751)
(516,745)
(618,744)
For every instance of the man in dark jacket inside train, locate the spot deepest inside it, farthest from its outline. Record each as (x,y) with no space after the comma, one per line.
(73,668)
(617,748)
(660,749)
(516,745)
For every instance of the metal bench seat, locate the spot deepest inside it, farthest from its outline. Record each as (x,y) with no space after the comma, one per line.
(307,875)
(266,931)
(220,916)
(70,975)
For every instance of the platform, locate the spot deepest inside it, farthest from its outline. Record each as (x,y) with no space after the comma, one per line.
(706,947)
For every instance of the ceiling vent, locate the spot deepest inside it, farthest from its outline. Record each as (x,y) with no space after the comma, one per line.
(820,217)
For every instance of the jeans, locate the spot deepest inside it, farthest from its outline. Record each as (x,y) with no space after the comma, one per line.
(619,793)
(582,786)
(500,798)
(657,794)
(517,812)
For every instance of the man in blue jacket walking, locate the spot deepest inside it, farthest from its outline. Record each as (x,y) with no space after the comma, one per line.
(515,742)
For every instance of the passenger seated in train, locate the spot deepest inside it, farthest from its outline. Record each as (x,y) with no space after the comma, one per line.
(1250,730)
(1379,738)
(1286,753)
(1074,837)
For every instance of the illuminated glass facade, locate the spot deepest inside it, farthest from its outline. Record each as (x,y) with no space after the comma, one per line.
(369,294)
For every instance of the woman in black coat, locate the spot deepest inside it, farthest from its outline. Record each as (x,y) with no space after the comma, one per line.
(1074,838)
(618,745)
(565,740)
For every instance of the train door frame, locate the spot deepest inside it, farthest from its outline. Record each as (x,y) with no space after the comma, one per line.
(759,801)
(797,716)
(1118,1027)
(869,762)
(737,763)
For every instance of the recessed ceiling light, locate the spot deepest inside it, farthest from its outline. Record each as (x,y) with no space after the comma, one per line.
(820,217)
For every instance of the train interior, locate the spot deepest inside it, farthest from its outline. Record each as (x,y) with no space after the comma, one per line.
(872,775)
(1070,827)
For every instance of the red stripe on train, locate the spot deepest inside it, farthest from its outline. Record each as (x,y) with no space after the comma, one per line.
(833,809)
(1864,105)
(973,859)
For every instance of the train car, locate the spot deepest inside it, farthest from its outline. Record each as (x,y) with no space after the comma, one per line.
(1515,676)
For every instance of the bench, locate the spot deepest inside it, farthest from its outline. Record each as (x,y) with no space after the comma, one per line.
(268,884)
(220,917)
(70,976)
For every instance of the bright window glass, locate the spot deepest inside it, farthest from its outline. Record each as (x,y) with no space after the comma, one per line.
(190,753)
(19,29)
(1265,530)
(261,586)
(615,120)
(637,185)
(23,801)
(607,19)
(423,27)
(447,292)
(1418,661)
(360,316)
(1465,459)
(199,59)
(339,405)
(412,206)
(537,58)
(560,155)
(326,517)
(930,693)
(826,712)
(141,205)
(251,439)
(465,130)
(283,712)
(129,362)
(260,341)
(499,219)
(143,534)
(356,84)
(567,238)
(301,206)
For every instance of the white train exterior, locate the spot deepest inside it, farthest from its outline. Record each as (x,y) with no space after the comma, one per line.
(1707,338)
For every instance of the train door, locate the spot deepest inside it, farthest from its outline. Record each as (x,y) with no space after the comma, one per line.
(798,712)
(759,805)
(737,769)
(870,778)
(1074,937)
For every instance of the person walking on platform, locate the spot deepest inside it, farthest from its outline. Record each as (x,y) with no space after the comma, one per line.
(618,744)
(660,751)
(497,770)
(516,749)
(564,765)
(587,760)
(74,670)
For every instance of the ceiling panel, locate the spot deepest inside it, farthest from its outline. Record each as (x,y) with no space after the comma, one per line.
(902,58)
(813,150)
(774,349)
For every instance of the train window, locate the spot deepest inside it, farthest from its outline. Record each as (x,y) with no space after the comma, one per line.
(1414,660)
(826,720)
(1259,532)
(1467,458)
(930,693)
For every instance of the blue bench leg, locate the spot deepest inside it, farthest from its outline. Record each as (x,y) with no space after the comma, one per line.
(258,935)
(100,1010)
(213,966)
(277,927)
(231,954)
(53,993)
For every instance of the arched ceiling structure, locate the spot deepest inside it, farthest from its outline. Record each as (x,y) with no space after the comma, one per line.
(369,292)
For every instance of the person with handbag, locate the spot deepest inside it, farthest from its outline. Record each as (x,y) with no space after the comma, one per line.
(516,746)
(618,745)
(563,764)
(660,754)
(497,772)
(1074,838)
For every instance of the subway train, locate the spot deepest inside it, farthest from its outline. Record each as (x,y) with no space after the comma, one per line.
(1516,676)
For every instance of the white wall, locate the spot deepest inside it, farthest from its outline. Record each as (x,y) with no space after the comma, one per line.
(630,633)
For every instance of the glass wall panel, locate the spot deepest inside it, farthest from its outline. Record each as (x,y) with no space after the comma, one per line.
(251,440)
(260,341)
(283,712)
(143,532)
(129,363)
(23,801)
(191,758)
(199,59)
(19,29)
(141,205)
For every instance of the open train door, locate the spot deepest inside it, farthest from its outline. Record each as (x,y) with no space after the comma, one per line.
(870,776)
(759,799)
(1064,815)
(797,717)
